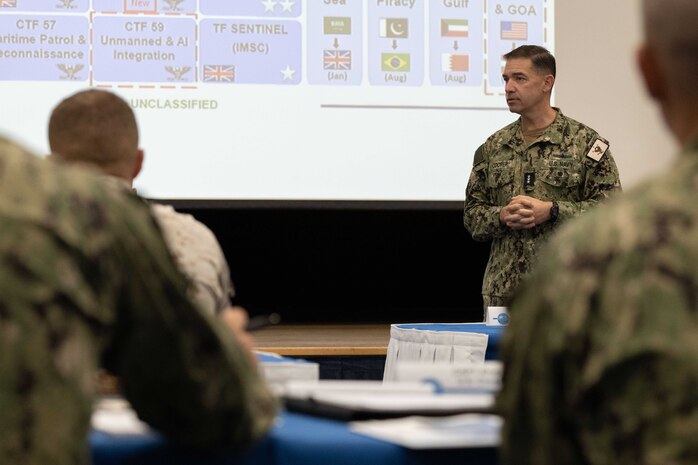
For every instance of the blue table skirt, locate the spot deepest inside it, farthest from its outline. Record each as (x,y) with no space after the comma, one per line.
(297,439)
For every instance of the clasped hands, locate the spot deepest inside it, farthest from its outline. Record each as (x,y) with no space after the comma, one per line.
(524,212)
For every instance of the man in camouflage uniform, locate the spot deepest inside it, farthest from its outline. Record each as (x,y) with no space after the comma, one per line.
(86,280)
(532,175)
(601,357)
(98,128)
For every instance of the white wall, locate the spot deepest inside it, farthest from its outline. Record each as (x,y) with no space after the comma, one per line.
(598,83)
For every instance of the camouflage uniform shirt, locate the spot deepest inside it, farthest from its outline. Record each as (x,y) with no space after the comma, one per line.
(601,356)
(569,163)
(199,256)
(86,280)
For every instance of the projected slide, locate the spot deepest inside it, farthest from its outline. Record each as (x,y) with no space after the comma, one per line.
(278,99)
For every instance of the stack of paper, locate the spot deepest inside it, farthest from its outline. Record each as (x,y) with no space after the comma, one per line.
(457,431)
(278,370)
(351,400)
(114,415)
(453,377)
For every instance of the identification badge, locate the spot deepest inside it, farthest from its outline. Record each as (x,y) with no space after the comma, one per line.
(529,181)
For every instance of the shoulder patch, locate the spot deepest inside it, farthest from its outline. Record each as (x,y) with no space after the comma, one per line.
(597,150)
(479,155)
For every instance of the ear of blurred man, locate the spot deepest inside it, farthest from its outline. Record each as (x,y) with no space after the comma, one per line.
(651,73)
(138,165)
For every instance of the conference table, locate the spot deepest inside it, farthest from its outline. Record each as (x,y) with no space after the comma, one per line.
(454,342)
(343,351)
(345,340)
(296,439)
(295,340)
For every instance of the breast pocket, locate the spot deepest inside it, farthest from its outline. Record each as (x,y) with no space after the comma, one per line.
(561,174)
(501,181)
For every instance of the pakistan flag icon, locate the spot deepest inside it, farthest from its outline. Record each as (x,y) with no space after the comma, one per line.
(395,62)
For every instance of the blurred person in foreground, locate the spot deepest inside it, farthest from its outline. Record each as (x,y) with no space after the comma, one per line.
(601,356)
(87,281)
(98,128)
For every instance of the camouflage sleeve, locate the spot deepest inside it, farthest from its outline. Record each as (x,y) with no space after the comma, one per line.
(594,373)
(182,371)
(602,180)
(643,410)
(481,214)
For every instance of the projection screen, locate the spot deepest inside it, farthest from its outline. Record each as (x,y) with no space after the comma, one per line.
(291,100)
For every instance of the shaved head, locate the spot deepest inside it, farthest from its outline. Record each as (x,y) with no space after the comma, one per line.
(668,62)
(671,30)
(98,128)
